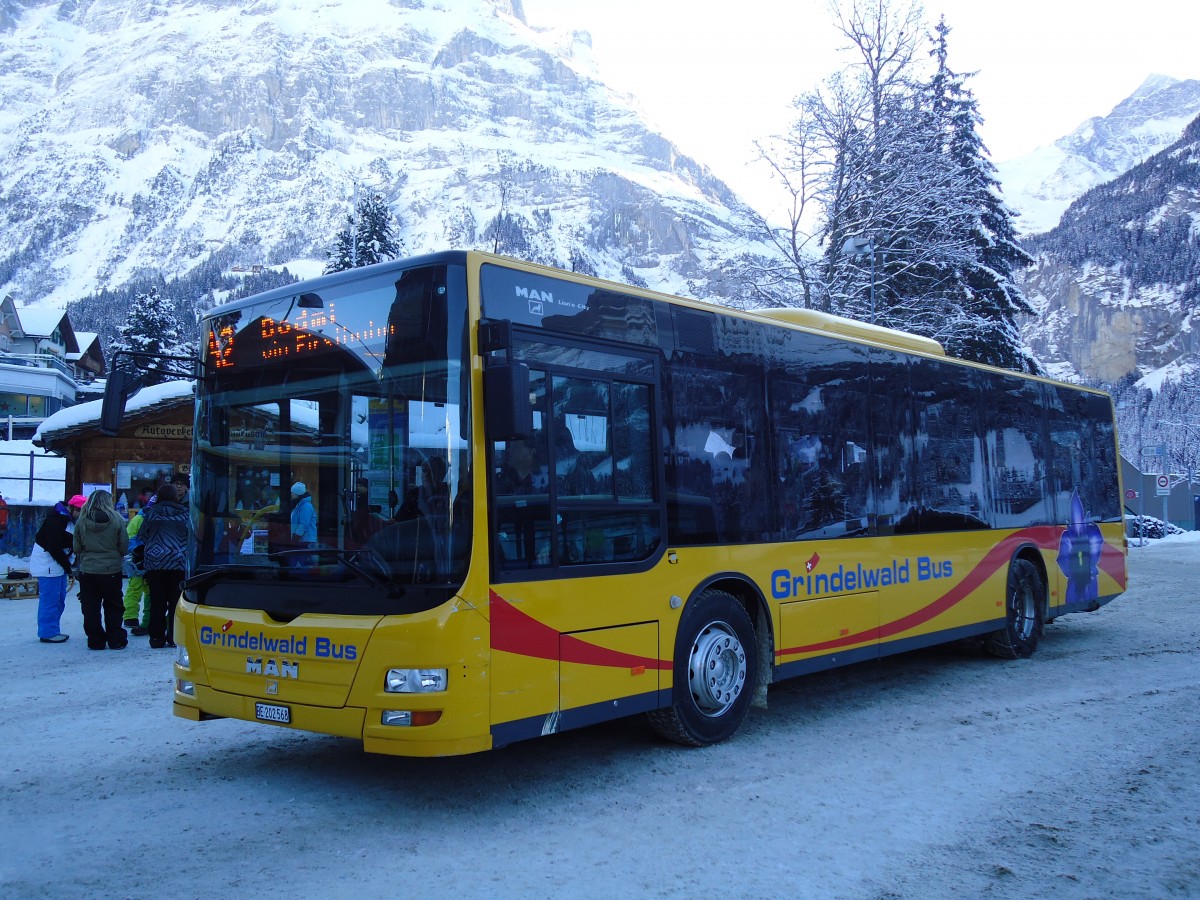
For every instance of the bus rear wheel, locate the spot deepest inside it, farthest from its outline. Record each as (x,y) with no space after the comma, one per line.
(1024,601)
(715,669)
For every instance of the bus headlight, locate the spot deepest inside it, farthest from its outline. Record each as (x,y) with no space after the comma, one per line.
(415,681)
(181,657)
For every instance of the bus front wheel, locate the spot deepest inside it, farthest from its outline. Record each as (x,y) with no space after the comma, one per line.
(1023,604)
(715,670)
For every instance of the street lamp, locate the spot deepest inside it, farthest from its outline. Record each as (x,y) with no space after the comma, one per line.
(861,246)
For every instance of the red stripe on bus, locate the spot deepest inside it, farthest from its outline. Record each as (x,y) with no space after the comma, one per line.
(1000,555)
(514,631)
(1112,561)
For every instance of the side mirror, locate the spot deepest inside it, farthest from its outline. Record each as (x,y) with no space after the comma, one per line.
(507,413)
(117,388)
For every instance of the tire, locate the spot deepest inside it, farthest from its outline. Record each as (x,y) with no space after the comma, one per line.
(716,668)
(1024,605)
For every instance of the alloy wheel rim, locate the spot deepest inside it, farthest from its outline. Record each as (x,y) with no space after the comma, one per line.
(716,669)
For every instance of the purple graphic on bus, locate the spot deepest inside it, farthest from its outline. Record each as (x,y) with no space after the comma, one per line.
(1079,556)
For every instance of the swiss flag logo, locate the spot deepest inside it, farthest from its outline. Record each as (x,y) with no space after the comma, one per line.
(812,562)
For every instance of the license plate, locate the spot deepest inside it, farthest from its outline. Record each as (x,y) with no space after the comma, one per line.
(269,712)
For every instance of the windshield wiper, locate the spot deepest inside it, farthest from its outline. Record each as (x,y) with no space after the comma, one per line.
(346,559)
(209,574)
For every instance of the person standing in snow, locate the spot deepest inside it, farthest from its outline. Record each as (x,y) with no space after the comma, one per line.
(165,532)
(137,594)
(3,520)
(50,562)
(100,543)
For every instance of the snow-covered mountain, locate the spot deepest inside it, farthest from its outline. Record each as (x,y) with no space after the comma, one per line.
(1042,184)
(1117,284)
(142,136)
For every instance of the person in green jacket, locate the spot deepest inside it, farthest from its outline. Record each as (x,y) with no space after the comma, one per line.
(136,591)
(100,543)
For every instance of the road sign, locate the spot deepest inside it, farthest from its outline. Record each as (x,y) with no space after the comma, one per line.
(1131,494)
(1162,484)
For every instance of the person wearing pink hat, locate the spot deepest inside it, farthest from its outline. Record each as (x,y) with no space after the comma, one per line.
(49,563)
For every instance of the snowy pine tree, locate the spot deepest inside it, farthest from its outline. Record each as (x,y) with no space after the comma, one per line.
(910,225)
(343,255)
(887,183)
(368,237)
(508,234)
(151,328)
(980,288)
(377,240)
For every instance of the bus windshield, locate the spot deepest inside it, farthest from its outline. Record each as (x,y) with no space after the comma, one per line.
(332,446)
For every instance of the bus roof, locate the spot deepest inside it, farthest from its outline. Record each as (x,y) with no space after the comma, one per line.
(855,330)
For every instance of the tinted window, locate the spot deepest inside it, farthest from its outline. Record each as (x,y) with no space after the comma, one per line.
(892,452)
(717,471)
(1015,452)
(567,307)
(818,411)
(1084,454)
(947,446)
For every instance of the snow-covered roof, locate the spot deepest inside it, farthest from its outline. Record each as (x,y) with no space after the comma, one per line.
(87,415)
(40,321)
(85,339)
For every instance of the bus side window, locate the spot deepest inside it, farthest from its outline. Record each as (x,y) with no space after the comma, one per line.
(519,489)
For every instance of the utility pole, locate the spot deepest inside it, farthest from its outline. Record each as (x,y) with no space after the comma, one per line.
(354,229)
(861,246)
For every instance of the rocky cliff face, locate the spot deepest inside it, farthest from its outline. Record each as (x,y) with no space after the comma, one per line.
(1094,326)
(141,136)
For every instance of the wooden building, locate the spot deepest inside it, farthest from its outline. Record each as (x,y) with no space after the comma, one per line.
(153,445)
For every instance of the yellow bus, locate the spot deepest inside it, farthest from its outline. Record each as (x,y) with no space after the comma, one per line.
(543,500)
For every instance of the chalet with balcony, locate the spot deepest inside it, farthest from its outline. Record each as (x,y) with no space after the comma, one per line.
(41,366)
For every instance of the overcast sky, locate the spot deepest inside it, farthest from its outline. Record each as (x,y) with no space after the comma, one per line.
(717,74)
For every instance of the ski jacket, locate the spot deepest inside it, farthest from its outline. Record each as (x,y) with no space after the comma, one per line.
(165,529)
(100,546)
(51,554)
(304,521)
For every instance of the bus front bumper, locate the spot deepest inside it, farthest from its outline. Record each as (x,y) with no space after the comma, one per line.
(348,722)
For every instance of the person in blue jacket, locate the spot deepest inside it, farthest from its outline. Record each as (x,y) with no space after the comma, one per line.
(304,518)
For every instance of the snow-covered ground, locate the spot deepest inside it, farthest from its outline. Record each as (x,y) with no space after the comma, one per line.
(942,773)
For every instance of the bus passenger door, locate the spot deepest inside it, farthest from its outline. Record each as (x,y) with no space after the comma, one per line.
(577,521)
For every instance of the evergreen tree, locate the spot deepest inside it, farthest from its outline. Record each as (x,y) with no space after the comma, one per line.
(152,328)
(980,287)
(343,256)
(910,225)
(368,237)
(508,234)
(887,185)
(377,240)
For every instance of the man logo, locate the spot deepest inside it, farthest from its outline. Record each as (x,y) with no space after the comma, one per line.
(272,687)
(535,294)
(536,308)
(281,668)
